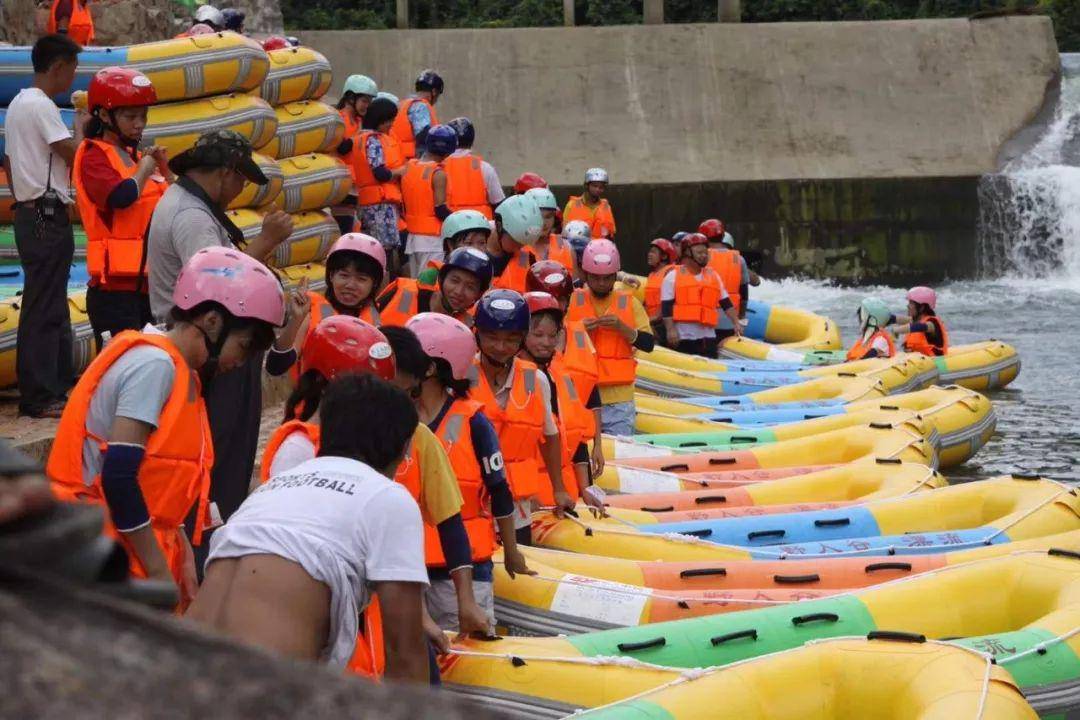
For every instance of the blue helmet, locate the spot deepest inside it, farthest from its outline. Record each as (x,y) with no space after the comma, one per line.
(678,237)
(234,19)
(442,140)
(471,260)
(502,310)
(465,131)
(428,79)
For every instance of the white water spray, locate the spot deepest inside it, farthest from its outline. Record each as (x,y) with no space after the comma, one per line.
(1029,214)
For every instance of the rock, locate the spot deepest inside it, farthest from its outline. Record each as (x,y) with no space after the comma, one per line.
(126,22)
(263,16)
(17,21)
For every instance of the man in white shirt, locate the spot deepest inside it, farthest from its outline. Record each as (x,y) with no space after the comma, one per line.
(39,152)
(296,564)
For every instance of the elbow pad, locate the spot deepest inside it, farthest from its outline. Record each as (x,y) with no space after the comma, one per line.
(442,212)
(667,308)
(645,342)
(120,484)
(726,304)
(382,173)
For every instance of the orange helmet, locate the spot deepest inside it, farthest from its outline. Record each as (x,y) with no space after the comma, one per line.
(342,344)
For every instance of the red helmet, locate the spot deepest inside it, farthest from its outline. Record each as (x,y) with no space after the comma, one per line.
(343,344)
(275,42)
(712,228)
(666,248)
(539,302)
(550,276)
(116,87)
(528,181)
(694,239)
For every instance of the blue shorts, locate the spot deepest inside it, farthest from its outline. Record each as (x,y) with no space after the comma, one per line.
(618,418)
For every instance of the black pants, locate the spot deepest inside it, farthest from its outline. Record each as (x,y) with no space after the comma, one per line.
(113,311)
(43,359)
(705,347)
(234,405)
(722,335)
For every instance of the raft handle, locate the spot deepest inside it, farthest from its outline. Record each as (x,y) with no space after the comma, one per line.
(710,499)
(765,533)
(700,572)
(721,639)
(1062,552)
(845,374)
(888,407)
(743,439)
(888,461)
(795,579)
(723,461)
(675,468)
(693,443)
(906,567)
(669,508)
(704,532)
(644,645)
(815,617)
(881,426)
(896,636)
(834,522)
(1025,476)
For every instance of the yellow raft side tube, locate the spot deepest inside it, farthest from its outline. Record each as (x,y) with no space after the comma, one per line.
(305,126)
(848,388)
(253,196)
(176,126)
(314,231)
(871,679)
(985,365)
(296,73)
(312,181)
(186,68)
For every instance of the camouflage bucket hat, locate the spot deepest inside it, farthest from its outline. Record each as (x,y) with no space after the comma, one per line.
(220,148)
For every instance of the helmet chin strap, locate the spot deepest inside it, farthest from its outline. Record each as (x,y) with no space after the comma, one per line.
(497,363)
(124,139)
(213,350)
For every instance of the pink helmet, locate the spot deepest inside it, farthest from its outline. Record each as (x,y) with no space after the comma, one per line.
(361,243)
(240,283)
(601,257)
(923,295)
(444,337)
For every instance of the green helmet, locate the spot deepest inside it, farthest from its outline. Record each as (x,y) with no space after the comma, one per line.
(873,312)
(360,85)
(462,221)
(389,96)
(543,197)
(521,219)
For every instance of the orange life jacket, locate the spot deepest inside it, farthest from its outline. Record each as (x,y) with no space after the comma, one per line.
(600,218)
(402,128)
(80,25)
(352,130)
(369,658)
(116,252)
(465,187)
(404,301)
(861,347)
(615,354)
(560,251)
(919,341)
(311,430)
(455,434)
(727,264)
(175,472)
(653,285)
(418,197)
(520,426)
(697,301)
(575,425)
(513,275)
(370,191)
(579,360)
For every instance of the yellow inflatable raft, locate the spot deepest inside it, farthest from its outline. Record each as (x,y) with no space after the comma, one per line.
(296,73)
(307,126)
(988,365)
(186,68)
(313,181)
(314,231)
(666,381)
(254,196)
(176,126)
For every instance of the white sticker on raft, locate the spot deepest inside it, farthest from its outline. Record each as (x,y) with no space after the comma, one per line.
(601,600)
(624,450)
(778,355)
(632,481)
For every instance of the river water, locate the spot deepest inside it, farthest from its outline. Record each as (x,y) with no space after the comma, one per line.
(1029,297)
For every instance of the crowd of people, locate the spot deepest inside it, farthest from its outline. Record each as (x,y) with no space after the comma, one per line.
(452,377)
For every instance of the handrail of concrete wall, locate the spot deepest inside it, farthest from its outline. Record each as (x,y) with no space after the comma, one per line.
(727,11)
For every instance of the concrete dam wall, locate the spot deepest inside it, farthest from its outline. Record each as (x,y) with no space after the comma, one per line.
(837,149)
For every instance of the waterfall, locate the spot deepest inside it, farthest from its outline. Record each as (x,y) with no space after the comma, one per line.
(1029,213)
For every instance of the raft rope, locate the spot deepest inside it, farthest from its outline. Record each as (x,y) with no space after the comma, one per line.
(762,550)
(636,591)
(1040,648)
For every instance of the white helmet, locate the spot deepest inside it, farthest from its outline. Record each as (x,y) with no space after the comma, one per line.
(577,229)
(596,174)
(210,15)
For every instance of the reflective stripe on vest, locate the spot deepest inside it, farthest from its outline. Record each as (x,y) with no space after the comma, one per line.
(560,251)
(465,186)
(615,355)
(520,425)
(175,472)
(370,191)
(728,266)
(115,252)
(403,304)
(418,197)
(697,300)
(579,359)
